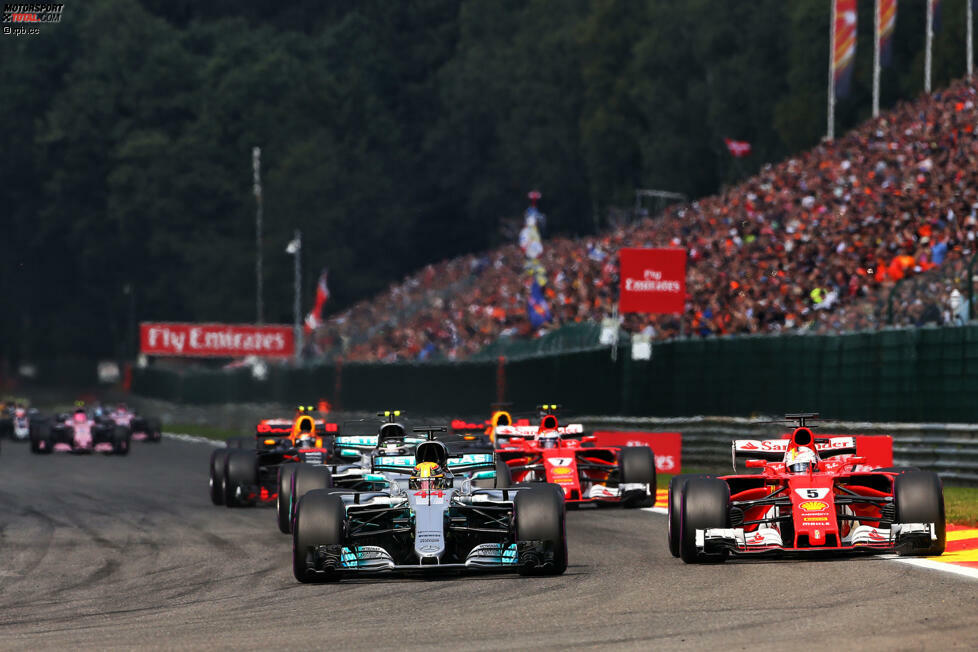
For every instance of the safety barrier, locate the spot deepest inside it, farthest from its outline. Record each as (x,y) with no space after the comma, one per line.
(949,449)
(901,375)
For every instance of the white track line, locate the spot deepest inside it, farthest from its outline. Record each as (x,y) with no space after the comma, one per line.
(194,439)
(947,567)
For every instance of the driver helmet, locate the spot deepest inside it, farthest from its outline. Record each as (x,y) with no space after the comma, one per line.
(548,439)
(801,460)
(427,476)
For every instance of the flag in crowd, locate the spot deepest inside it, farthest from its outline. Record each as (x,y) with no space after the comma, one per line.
(844,47)
(314,318)
(887,18)
(536,306)
(737,148)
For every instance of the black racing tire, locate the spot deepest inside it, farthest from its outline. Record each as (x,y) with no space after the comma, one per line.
(636,465)
(155,430)
(217,475)
(240,442)
(121,440)
(553,486)
(919,498)
(240,470)
(39,435)
(306,478)
(705,504)
(676,486)
(540,516)
(504,478)
(320,520)
(283,503)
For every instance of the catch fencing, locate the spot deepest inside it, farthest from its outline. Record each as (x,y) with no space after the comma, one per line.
(925,374)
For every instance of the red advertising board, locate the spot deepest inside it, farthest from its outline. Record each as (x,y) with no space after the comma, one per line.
(667,446)
(215,340)
(652,280)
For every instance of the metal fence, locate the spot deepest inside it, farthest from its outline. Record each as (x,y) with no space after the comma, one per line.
(949,449)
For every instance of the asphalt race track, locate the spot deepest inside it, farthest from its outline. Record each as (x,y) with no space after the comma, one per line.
(104,552)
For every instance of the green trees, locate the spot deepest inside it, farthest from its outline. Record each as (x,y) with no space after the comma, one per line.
(393,134)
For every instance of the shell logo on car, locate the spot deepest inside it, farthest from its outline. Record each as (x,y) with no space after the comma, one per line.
(813,506)
(561,470)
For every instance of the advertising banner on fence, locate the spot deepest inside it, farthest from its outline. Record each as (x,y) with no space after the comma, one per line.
(877,449)
(667,446)
(215,340)
(652,281)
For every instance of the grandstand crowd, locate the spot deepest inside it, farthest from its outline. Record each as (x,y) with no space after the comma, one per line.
(814,243)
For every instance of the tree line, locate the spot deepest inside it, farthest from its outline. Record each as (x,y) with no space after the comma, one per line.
(393,134)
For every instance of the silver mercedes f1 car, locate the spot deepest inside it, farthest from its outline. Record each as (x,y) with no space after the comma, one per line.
(430,517)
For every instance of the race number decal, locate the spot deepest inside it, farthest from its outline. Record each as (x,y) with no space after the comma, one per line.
(817,494)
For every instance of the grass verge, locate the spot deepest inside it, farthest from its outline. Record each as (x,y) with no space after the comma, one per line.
(961,505)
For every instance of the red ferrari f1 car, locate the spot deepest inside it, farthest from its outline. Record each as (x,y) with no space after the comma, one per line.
(810,495)
(586,473)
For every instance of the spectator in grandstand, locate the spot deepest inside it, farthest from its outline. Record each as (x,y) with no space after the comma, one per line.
(815,243)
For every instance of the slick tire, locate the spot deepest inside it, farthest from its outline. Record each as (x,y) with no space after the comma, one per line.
(536,485)
(676,486)
(306,478)
(919,498)
(41,440)
(539,515)
(283,504)
(240,442)
(217,475)
(240,470)
(121,440)
(504,478)
(155,431)
(705,504)
(320,519)
(636,465)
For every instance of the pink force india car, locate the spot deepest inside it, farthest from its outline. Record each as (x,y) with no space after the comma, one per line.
(809,495)
(141,428)
(80,432)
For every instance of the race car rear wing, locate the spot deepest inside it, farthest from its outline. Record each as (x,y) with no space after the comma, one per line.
(354,445)
(531,431)
(773,450)
(456,463)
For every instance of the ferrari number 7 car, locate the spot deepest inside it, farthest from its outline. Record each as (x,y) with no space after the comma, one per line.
(429,518)
(586,473)
(810,495)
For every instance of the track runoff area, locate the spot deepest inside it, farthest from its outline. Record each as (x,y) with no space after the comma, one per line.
(119,552)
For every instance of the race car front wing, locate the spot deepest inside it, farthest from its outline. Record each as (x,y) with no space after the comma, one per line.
(767,540)
(485,556)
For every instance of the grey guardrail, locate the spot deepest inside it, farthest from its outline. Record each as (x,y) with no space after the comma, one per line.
(950,449)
